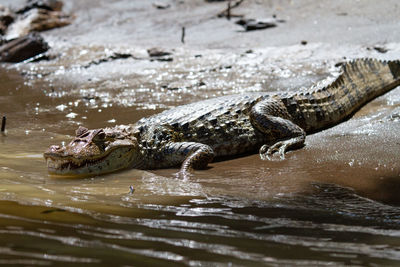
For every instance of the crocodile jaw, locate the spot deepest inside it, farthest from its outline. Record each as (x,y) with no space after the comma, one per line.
(68,165)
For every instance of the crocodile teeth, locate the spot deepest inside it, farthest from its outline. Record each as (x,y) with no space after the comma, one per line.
(69,164)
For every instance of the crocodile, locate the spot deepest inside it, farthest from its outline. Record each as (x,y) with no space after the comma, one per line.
(193,135)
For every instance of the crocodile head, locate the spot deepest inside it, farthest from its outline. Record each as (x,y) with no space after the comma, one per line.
(93,152)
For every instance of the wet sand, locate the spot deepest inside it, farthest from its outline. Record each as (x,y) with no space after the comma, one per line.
(334,201)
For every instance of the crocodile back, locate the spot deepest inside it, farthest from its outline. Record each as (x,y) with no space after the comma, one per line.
(223,123)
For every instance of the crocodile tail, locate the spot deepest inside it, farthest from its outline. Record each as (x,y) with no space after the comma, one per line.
(361,81)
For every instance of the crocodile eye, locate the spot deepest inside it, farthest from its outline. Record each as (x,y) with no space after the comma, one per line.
(101,135)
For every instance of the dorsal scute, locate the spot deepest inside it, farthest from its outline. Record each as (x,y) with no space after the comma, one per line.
(349,68)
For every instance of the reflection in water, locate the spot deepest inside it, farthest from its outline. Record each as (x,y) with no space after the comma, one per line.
(201,230)
(242,211)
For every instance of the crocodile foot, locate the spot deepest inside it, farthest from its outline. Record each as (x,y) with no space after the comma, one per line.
(266,152)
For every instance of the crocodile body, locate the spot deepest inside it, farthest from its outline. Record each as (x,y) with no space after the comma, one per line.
(192,135)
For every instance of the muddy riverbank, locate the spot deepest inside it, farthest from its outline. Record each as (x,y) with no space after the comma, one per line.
(333,202)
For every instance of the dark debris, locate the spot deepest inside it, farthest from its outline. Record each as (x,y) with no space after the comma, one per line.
(252,24)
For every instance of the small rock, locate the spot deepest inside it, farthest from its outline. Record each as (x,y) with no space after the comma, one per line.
(6,18)
(252,24)
(394,117)
(51,5)
(160,5)
(380,49)
(122,55)
(303,42)
(23,48)
(157,52)
(37,20)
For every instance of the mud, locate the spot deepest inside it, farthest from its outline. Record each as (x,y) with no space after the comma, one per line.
(333,202)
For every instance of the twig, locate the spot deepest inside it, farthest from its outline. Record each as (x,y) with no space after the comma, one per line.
(228,15)
(3,124)
(227,12)
(183,35)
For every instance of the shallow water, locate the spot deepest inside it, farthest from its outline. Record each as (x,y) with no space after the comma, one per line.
(334,202)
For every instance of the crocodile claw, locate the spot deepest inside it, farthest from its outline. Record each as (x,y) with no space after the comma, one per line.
(266,152)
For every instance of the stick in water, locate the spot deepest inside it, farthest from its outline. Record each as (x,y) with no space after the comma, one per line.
(3,124)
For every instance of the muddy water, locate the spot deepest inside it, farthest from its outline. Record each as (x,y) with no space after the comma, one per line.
(335,202)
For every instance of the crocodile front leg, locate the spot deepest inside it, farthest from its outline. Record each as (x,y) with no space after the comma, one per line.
(271,118)
(191,155)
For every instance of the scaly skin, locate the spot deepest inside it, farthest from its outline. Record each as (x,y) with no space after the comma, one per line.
(192,135)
